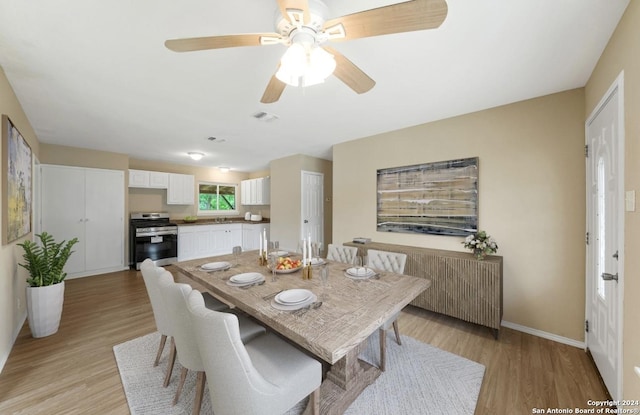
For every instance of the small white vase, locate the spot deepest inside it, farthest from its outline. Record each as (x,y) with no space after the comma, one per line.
(44,309)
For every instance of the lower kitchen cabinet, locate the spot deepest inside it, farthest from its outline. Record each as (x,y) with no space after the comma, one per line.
(251,234)
(200,241)
(87,204)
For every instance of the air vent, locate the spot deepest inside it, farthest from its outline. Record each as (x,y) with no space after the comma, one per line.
(216,139)
(265,116)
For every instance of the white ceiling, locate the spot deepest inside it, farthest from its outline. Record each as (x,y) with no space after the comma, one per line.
(95,74)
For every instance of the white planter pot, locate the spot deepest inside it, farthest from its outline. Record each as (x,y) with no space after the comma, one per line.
(44,309)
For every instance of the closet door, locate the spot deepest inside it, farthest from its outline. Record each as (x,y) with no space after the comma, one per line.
(63,214)
(104,207)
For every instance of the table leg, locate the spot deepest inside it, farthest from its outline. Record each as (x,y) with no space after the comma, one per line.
(344,382)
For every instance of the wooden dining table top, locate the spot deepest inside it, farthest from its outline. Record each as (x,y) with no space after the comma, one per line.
(351,309)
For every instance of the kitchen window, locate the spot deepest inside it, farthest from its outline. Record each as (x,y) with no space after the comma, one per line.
(217,198)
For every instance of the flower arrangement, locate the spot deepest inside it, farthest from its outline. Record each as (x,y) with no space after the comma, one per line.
(480,244)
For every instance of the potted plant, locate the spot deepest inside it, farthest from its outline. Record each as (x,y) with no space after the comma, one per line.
(45,290)
(480,244)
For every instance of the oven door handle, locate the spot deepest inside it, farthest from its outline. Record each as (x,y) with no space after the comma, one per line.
(161,233)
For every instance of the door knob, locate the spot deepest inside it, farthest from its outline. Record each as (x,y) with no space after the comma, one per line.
(306,221)
(608,277)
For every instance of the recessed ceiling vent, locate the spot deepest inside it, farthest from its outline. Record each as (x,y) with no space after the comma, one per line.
(216,140)
(265,116)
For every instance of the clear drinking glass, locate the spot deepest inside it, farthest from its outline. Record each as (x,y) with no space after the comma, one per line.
(324,279)
(237,250)
(273,263)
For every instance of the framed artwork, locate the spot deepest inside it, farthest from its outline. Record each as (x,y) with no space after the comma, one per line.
(16,182)
(433,198)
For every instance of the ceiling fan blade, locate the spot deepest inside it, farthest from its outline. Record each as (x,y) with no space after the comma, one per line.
(273,91)
(396,18)
(295,5)
(349,73)
(217,42)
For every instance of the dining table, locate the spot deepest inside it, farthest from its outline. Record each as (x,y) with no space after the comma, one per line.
(345,311)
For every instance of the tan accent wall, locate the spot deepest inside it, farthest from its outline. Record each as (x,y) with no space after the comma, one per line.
(531,198)
(623,54)
(286,197)
(12,277)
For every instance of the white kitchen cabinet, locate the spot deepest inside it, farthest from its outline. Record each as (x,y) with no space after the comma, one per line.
(138,178)
(181,189)
(158,180)
(148,179)
(200,241)
(251,234)
(87,204)
(256,191)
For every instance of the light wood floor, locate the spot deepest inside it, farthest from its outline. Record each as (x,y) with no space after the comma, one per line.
(74,371)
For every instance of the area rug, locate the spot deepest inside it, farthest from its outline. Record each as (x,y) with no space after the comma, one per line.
(420,379)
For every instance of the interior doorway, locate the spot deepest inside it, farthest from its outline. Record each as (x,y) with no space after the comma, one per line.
(312,206)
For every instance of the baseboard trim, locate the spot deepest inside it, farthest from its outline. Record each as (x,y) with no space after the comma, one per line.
(544,334)
(4,358)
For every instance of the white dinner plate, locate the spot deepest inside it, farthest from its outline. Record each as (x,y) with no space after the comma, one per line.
(294,296)
(215,266)
(259,279)
(361,272)
(280,253)
(317,261)
(293,307)
(246,278)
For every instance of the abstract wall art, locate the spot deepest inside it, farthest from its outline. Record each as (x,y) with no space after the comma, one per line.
(16,182)
(432,198)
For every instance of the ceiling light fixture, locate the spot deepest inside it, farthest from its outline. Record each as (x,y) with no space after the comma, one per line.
(305,63)
(195,155)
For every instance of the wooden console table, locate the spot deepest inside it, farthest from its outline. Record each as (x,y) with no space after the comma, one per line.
(461,286)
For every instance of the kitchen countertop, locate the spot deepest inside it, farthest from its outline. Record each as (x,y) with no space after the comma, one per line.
(212,221)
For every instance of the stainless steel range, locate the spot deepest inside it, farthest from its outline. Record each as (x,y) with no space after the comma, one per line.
(152,235)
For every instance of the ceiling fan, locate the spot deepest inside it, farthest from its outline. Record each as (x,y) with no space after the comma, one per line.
(302,25)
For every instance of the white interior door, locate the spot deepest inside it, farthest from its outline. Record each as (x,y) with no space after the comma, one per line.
(312,213)
(63,214)
(605,248)
(104,219)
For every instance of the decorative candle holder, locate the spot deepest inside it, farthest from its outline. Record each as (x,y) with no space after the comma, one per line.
(262,259)
(307,272)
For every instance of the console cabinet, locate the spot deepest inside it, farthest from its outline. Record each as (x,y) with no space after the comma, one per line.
(461,286)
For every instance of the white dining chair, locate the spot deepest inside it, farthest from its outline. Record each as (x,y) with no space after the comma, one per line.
(188,354)
(265,376)
(341,253)
(393,262)
(152,275)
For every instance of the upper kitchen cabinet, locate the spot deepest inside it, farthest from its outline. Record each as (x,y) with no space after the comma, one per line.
(148,179)
(256,191)
(87,204)
(181,189)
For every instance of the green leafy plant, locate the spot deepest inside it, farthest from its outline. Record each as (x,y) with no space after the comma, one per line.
(45,260)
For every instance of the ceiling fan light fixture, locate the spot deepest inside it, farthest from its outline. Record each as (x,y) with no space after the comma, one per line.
(303,65)
(195,155)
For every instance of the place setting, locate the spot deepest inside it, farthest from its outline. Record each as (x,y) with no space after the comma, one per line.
(296,300)
(361,273)
(215,266)
(246,280)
